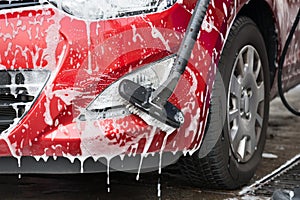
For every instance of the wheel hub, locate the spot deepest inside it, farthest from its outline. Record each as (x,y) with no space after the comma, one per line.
(245,104)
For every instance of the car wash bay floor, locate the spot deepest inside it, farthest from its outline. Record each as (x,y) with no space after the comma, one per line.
(282,145)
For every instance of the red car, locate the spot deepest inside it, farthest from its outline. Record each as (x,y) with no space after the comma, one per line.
(89,84)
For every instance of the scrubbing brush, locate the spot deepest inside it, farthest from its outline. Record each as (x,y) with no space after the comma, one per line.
(145,101)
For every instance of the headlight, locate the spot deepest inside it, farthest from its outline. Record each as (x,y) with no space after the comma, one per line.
(109,103)
(105,9)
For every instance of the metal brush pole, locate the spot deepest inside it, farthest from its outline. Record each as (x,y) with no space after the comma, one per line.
(163,93)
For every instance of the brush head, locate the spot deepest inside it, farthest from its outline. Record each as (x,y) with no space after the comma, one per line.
(150,120)
(139,97)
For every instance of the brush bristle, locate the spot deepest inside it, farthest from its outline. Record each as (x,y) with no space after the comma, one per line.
(147,118)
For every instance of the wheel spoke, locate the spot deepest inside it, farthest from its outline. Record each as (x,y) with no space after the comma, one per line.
(251,146)
(257,71)
(235,87)
(260,92)
(250,59)
(233,132)
(236,136)
(242,147)
(233,114)
(241,65)
(259,119)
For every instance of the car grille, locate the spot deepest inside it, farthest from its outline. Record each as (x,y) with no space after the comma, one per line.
(18,90)
(6,4)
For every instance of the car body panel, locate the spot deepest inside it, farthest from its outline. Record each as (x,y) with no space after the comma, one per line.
(284,16)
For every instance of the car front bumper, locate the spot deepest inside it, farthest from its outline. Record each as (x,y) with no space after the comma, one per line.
(84,58)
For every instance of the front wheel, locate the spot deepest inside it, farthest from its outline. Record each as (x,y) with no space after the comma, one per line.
(237,135)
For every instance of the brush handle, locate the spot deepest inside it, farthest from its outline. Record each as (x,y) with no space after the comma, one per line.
(190,38)
(163,93)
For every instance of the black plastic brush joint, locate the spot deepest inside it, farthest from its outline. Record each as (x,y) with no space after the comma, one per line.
(163,93)
(139,95)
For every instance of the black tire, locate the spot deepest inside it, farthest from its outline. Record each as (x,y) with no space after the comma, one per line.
(218,164)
